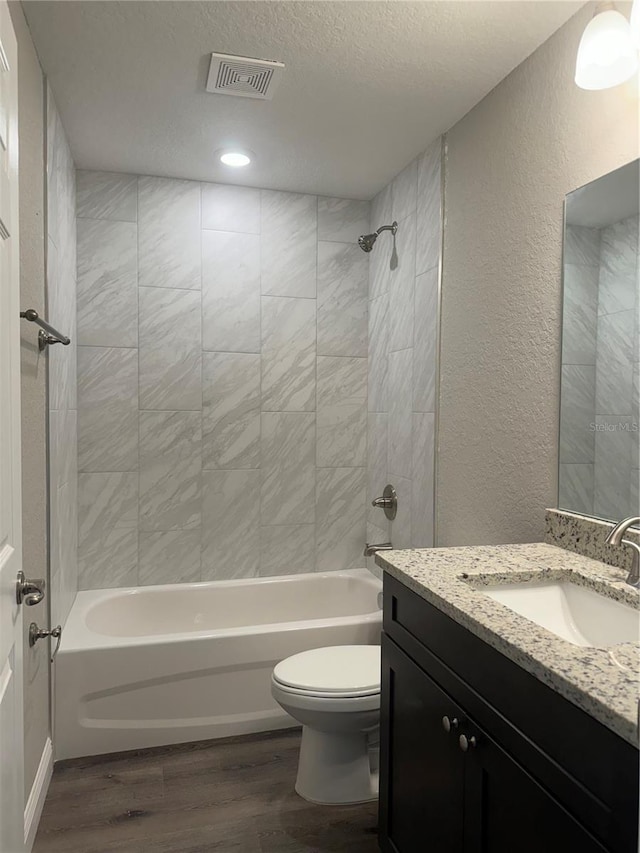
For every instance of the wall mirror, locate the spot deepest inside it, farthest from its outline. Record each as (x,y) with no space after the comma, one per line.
(599,411)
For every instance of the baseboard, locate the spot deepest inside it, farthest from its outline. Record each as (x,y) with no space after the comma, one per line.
(35,803)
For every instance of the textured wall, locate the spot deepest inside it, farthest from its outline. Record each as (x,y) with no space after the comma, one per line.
(33,387)
(61,311)
(510,162)
(221,381)
(403,323)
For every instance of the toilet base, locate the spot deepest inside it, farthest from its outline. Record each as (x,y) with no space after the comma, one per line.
(334,768)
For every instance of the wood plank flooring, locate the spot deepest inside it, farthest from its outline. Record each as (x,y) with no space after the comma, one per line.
(229,796)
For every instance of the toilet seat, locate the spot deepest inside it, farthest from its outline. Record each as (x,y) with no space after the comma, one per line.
(304,700)
(318,694)
(334,672)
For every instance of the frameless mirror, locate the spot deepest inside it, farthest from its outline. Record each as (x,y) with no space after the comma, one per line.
(599,410)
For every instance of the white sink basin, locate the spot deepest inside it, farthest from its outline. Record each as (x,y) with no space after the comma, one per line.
(573,612)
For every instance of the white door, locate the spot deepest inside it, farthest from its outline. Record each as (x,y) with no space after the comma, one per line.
(11,727)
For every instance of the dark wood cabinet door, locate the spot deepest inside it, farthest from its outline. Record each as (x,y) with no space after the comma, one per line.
(422,767)
(507,810)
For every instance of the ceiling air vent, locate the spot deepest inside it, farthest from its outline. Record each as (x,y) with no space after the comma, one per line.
(243,77)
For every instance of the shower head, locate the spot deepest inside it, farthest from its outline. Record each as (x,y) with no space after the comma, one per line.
(366,241)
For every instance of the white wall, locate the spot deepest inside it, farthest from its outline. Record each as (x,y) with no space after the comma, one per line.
(510,162)
(403,323)
(221,381)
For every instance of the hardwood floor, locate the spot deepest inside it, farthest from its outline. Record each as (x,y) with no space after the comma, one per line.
(228,796)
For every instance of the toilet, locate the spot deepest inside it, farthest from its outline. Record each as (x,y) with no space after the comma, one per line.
(334,693)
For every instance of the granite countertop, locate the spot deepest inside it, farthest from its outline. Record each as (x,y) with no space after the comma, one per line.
(603,682)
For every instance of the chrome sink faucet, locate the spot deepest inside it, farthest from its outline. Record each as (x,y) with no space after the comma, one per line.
(615,538)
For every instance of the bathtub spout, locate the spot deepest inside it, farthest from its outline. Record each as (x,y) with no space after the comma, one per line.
(370,550)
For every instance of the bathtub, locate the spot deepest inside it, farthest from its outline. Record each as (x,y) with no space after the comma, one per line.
(171,664)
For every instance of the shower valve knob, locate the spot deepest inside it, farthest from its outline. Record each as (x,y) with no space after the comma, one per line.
(382,503)
(388,502)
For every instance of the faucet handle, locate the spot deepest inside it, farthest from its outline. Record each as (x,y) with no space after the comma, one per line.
(388,502)
(383,503)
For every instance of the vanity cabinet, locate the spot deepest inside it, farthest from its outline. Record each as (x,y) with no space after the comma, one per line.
(532,773)
(423,782)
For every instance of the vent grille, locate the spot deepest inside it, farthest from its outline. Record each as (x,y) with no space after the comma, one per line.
(243,77)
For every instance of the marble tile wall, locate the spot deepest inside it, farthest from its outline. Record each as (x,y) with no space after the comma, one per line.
(63,415)
(402,368)
(616,465)
(599,471)
(577,405)
(222,381)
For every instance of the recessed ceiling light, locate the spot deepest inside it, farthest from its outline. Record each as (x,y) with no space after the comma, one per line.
(236,159)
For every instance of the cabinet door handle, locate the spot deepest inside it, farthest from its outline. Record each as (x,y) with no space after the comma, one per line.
(449,724)
(467,743)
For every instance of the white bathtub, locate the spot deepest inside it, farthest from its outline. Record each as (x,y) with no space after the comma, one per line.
(171,664)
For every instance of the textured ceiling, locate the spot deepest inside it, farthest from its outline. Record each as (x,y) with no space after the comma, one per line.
(368,85)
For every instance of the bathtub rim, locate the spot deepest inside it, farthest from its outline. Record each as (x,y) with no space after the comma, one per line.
(78,637)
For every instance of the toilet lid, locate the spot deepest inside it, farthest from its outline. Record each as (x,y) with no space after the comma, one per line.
(337,669)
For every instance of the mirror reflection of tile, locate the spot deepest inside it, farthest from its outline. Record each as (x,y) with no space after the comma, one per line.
(599,471)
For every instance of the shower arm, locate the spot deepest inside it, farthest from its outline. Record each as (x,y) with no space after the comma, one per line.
(366,241)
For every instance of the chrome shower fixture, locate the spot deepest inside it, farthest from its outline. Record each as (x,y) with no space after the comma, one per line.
(366,241)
